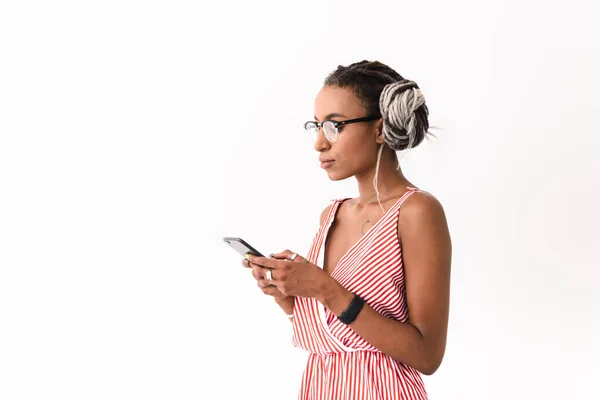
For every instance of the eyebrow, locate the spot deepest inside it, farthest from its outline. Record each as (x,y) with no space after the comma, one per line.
(332,115)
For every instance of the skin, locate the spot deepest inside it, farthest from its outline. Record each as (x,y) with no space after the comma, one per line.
(422,232)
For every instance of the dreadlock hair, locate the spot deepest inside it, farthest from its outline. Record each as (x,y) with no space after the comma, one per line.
(384,92)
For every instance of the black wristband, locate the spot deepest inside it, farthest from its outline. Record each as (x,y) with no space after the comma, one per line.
(350,313)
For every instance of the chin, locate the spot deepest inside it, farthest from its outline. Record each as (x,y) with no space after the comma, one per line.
(336,176)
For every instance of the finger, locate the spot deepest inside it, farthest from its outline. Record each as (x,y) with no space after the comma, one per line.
(258,272)
(277,286)
(272,291)
(262,261)
(287,255)
(246,263)
(279,256)
(263,283)
(263,273)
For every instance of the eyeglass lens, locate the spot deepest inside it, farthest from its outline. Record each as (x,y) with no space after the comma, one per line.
(329,129)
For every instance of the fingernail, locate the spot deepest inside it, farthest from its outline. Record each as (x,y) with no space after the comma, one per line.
(271,255)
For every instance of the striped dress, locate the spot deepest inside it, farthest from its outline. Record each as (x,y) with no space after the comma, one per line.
(342,365)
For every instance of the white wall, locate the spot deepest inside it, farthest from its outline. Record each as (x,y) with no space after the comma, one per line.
(134,135)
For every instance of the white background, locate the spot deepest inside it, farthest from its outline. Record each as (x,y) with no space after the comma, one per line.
(134,135)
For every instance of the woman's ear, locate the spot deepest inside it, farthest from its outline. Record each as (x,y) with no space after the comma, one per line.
(379,129)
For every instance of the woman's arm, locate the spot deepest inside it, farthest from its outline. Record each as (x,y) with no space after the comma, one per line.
(426,252)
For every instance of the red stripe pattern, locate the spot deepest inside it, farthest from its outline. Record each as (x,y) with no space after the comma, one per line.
(342,365)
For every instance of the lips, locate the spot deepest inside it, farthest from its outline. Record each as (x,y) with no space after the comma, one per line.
(326,162)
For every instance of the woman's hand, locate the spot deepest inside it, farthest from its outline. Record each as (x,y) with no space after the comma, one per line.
(259,273)
(289,278)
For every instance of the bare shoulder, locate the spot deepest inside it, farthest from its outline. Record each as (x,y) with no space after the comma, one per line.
(419,208)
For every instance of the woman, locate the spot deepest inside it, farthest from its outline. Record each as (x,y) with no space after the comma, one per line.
(370,302)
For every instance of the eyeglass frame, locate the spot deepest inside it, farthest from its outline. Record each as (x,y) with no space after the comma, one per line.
(337,124)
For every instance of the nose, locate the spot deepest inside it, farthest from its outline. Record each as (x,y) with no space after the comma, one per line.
(321,143)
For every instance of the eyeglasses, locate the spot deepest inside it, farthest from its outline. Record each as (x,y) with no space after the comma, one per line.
(331,128)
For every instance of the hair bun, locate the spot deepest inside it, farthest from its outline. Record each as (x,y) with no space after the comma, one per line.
(404,113)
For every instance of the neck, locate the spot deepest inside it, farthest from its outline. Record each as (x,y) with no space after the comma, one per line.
(390,180)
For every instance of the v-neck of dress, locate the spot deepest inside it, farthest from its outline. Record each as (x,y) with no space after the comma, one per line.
(360,239)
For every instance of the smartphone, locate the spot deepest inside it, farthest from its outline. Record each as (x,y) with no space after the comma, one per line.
(241,246)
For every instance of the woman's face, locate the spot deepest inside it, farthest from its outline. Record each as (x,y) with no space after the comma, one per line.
(355,151)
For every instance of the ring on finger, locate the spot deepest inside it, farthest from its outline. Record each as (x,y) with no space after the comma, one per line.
(269,275)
